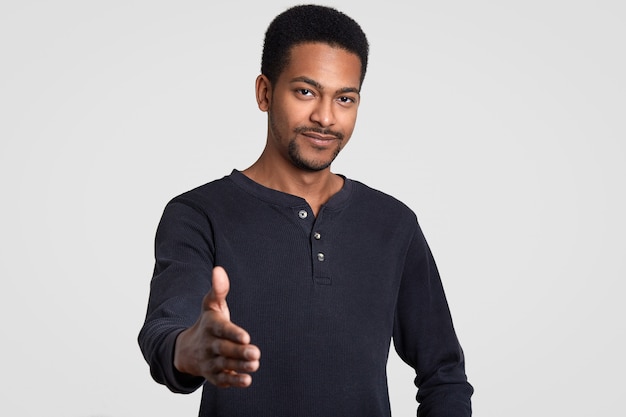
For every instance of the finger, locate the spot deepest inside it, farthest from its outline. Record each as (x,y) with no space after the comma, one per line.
(220,327)
(231,379)
(231,350)
(216,297)
(221,364)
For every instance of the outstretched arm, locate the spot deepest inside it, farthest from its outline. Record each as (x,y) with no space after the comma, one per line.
(214,347)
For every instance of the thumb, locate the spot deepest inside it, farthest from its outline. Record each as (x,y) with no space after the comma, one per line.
(216,298)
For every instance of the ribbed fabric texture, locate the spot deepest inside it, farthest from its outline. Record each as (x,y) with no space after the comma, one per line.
(321,296)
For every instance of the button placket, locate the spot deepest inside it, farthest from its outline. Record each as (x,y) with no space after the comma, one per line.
(303,216)
(317,246)
(319,249)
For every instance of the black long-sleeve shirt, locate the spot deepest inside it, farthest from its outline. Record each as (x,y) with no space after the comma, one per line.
(322,297)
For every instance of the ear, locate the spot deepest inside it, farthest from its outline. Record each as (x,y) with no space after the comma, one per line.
(263,92)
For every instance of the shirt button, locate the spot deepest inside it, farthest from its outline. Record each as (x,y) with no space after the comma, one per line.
(302,214)
(320,257)
(317,236)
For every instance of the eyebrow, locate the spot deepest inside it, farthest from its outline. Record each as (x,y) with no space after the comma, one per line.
(319,86)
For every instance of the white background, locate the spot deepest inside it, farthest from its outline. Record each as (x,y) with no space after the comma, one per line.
(500,123)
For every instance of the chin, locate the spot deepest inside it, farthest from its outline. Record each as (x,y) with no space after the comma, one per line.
(311,166)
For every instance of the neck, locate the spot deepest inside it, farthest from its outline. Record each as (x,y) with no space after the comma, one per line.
(316,187)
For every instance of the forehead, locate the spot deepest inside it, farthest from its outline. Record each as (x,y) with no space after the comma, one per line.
(326,64)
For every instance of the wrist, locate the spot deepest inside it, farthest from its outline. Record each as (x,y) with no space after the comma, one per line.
(179,356)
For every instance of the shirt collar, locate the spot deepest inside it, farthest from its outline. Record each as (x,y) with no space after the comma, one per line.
(272,196)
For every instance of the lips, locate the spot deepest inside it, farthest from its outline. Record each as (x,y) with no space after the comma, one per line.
(320,141)
(319,134)
(316,136)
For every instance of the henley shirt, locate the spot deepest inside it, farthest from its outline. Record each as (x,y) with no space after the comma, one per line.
(321,296)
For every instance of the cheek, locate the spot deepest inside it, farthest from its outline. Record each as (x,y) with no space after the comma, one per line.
(291,115)
(279,119)
(349,122)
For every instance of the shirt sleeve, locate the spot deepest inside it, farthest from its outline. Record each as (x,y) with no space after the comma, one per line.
(424,337)
(184,256)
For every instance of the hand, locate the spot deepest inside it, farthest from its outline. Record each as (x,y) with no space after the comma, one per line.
(214,347)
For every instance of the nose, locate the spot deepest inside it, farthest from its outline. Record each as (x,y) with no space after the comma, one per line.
(323,113)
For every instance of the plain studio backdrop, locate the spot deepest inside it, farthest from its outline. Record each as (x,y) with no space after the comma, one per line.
(502,124)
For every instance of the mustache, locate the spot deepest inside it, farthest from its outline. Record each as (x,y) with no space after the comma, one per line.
(319,130)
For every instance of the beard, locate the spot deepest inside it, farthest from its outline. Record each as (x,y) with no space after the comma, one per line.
(307,164)
(293,148)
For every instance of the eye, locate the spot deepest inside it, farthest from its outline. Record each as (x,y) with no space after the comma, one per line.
(305,92)
(346,100)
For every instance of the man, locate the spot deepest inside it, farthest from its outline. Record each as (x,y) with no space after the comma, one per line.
(287,261)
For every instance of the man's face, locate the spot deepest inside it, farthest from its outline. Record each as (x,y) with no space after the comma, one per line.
(313,105)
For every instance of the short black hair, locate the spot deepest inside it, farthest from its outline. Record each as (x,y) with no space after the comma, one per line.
(310,23)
